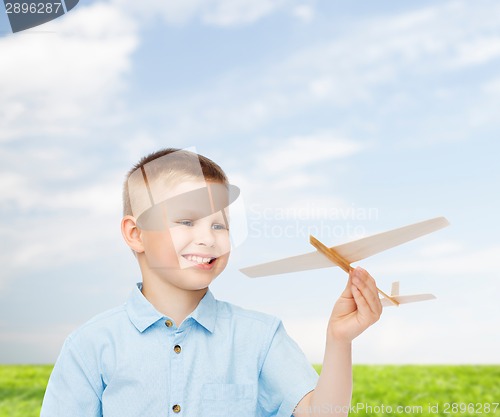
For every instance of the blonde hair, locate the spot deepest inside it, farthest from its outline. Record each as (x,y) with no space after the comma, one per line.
(182,166)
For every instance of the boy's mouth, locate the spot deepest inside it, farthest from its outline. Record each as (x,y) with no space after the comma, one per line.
(200,259)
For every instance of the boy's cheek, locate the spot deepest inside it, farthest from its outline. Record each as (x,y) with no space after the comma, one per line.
(224,245)
(222,262)
(160,251)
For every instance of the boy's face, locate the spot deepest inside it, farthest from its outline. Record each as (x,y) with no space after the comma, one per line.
(187,244)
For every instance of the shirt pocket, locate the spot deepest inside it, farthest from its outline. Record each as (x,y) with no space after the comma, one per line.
(228,400)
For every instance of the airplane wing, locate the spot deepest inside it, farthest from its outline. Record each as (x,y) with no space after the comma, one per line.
(351,251)
(404,299)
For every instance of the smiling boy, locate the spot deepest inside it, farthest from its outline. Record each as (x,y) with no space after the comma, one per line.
(174,350)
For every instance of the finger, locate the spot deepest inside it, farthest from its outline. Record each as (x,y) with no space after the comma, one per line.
(366,317)
(375,303)
(366,285)
(370,284)
(347,293)
(364,310)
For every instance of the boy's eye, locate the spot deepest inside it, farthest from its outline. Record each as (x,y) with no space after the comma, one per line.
(185,222)
(190,223)
(218,226)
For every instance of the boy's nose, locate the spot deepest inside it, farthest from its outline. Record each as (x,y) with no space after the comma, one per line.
(204,236)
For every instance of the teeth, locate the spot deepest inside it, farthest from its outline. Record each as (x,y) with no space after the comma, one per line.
(198,259)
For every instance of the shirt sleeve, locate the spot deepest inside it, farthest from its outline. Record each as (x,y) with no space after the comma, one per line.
(286,376)
(72,389)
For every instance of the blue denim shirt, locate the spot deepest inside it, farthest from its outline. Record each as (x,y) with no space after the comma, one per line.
(132,361)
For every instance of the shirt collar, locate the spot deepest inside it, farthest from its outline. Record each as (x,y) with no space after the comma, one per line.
(142,313)
(206,312)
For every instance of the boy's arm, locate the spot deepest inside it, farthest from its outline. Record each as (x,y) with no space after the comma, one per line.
(357,308)
(72,389)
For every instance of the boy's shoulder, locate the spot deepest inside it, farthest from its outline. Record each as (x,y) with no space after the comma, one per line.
(106,317)
(116,322)
(104,322)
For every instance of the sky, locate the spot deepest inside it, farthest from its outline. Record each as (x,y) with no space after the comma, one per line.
(340,119)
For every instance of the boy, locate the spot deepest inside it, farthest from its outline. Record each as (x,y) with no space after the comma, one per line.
(172,349)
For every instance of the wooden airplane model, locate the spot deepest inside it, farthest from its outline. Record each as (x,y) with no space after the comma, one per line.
(343,255)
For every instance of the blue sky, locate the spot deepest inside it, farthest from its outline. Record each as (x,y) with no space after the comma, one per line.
(384,112)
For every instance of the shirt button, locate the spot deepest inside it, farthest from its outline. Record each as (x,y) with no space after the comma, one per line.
(168,323)
(177,349)
(176,408)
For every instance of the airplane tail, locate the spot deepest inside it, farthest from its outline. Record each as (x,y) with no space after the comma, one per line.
(404,299)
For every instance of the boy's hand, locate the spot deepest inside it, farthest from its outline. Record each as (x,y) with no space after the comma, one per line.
(357,308)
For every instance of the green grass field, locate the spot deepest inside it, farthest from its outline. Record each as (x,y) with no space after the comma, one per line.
(378,390)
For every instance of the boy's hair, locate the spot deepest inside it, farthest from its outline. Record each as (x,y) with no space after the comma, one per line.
(185,165)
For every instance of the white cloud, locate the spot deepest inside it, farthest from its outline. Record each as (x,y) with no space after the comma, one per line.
(377,50)
(409,335)
(57,84)
(452,262)
(439,38)
(492,87)
(277,173)
(18,344)
(399,338)
(33,245)
(282,184)
(304,12)
(221,13)
(89,56)
(298,152)
(23,192)
(11,189)
(51,225)
(173,12)
(61,81)
(142,143)
(477,51)
(342,71)
(310,334)
(442,248)
(63,241)
(237,12)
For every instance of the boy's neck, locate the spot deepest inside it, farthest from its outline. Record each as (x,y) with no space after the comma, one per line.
(171,301)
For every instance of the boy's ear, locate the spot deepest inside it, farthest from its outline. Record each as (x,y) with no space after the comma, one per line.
(132,234)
